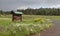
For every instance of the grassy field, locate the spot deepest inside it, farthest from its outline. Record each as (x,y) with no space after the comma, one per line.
(42,16)
(32,16)
(30,24)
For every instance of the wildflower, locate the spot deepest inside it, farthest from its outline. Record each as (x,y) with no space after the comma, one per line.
(37,19)
(31,29)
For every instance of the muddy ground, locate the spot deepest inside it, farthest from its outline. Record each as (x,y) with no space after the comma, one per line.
(52,31)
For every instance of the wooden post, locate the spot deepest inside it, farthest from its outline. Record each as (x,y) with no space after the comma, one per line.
(12,17)
(20,17)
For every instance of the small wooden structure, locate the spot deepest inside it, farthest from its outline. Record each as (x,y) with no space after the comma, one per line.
(16,16)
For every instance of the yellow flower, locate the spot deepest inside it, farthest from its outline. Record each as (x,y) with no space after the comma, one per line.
(37,19)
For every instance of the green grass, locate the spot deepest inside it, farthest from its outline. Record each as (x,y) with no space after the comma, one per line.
(42,16)
(32,16)
(30,24)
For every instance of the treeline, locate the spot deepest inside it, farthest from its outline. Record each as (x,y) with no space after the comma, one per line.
(5,12)
(41,11)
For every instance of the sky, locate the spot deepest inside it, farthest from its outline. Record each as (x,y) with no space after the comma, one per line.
(7,5)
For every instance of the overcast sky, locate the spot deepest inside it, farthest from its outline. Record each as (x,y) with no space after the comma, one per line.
(23,4)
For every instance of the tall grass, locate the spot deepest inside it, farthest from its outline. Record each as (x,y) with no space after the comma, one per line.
(29,25)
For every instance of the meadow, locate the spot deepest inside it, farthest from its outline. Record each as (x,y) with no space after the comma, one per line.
(30,24)
(33,16)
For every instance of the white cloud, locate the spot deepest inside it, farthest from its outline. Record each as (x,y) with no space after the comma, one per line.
(14,4)
(23,7)
(55,6)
